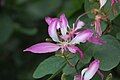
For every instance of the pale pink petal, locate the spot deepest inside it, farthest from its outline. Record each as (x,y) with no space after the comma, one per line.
(102,3)
(64,24)
(79,25)
(93,68)
(75,49)
(82,73)
(52,30)
(98,27)
(96,40)
(83,36)
(45,47)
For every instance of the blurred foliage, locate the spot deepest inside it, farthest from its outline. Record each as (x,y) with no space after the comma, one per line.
(22,24)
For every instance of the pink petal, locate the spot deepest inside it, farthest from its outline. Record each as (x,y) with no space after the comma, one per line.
(64,24)
(48,20)
(82,36)
(52,30)
(65,37)
(74,49)
(93,68)
(96,40)
(45,47)
(79,25)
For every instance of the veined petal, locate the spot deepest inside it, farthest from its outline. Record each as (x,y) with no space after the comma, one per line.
(79,25)
(75,49)
(64,24)
(82,36)
(93,68)
(96,40)
(45,47)
(52,30)
(102,3)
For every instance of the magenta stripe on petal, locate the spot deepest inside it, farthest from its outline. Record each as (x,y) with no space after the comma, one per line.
(45,47)
(83,36)
(92,69)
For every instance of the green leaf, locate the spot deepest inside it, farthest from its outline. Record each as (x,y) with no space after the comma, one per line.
(49,66)
(118,35)
(110,11)
(6,28)
(68,69)
(108,54)
(67,77)
(90,5)
(41,8)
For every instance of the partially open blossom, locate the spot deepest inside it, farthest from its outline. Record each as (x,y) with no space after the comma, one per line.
(97,24)
(89,72)
(62,43)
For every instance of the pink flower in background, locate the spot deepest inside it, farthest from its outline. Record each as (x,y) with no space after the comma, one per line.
(97,24)
(88,72)
(114,1)
(61,41)
(96,38)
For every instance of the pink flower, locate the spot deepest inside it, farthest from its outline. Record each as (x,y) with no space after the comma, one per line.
(96,38)
(88,72)
(62,42)
(114,1)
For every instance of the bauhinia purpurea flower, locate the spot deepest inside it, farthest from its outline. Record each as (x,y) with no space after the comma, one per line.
(66,39)
(89,72)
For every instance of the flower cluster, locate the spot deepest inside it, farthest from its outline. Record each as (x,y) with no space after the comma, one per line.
(66,39)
